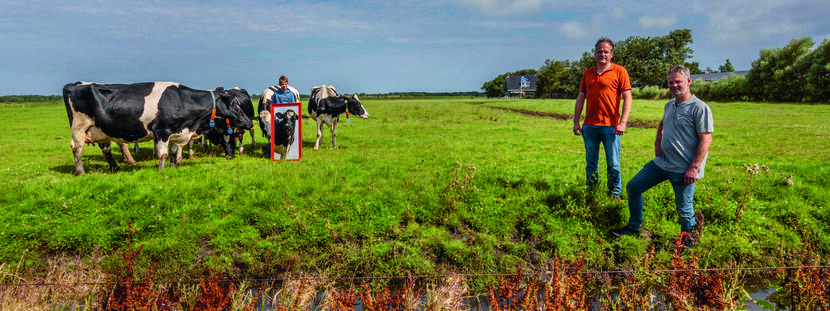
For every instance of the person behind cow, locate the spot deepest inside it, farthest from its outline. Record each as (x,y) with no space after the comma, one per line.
(680,148)
(283,94)
(603,86)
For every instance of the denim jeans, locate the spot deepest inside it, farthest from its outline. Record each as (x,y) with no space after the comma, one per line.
(593,135)
(650,176)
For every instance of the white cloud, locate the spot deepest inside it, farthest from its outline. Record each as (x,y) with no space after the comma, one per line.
(617,13)
(737,21)
(502,8)
(576,30)
(657,22)
(511,25)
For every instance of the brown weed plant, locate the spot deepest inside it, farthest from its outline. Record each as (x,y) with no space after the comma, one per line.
(566,288)
(690,288)
(215,292)
(564,291)
(123,290)
(509,294)
(404,299)
(632,296)
(634,291)
(806,286)
(341,300)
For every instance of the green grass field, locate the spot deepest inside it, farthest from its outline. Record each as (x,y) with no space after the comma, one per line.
(422,187)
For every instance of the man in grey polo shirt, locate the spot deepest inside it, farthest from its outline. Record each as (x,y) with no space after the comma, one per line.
(683,139)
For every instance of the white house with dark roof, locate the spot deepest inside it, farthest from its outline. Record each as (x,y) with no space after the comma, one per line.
(706,77)
(520,86)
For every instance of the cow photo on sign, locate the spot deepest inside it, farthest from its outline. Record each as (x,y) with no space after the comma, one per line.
(286,137)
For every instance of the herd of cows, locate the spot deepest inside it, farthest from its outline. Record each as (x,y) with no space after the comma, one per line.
(173,115)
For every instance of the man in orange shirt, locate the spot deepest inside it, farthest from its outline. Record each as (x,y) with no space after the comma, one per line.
(603,86)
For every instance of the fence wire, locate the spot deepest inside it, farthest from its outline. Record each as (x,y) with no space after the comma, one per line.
(435,276)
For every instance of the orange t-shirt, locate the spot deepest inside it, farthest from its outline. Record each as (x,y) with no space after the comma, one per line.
(603,93)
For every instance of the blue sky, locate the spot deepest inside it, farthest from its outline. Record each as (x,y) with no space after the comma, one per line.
(367,46)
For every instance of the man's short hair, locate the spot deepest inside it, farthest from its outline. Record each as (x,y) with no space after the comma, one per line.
(679,69)
(283,78)
(604,39)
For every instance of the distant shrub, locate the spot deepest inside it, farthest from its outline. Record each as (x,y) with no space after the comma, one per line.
(30,98)
(733,88)
(650,92)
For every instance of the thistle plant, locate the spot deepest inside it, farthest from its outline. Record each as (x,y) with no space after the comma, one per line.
(460,187)
(751,170)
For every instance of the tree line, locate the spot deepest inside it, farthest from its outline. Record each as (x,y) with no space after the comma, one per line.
(794,73)
(420,94)
(30,98)
(255,97)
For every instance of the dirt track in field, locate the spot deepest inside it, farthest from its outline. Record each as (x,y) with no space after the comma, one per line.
(561,116)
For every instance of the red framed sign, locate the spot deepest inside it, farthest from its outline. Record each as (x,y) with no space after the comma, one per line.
(286,132)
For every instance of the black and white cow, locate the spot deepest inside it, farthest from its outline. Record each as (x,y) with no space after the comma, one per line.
(284,126)
(325,106)
(165,112)
(225,135)
(264,111)
(219,135)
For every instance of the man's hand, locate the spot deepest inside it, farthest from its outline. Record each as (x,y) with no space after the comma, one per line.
(691,176)
(620,129)
(577,130)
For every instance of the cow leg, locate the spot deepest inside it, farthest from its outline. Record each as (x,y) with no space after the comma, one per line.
(161,146)
(228,146)
(319,134)
(178,150)
(136,149)
(77,145)
(190,149)
(253,140)
(125,152)
(334,133)
(242,141)
(106,150)
(203,143)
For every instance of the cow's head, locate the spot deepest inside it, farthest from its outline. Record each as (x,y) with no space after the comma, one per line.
(245,99)
(230,106)
(355,106)
(285,123)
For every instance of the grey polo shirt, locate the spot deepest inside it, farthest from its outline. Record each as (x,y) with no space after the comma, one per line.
(681,124)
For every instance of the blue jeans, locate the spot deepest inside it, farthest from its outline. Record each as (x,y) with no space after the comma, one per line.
(650,176)
(593,135)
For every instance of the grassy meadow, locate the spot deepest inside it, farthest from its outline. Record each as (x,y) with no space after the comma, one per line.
(423,187)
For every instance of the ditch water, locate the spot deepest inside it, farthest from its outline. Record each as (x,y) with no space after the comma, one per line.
(482,303)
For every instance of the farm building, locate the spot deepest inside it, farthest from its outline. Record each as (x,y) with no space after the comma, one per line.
(706,77)
(519,86)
